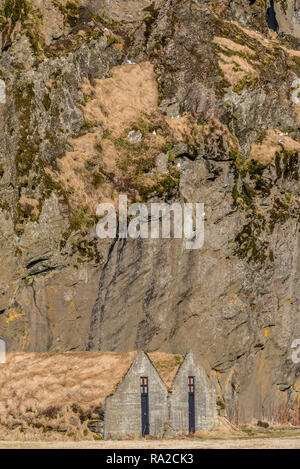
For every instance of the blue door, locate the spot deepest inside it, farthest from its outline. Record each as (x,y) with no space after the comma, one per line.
(191,400)
(144,405)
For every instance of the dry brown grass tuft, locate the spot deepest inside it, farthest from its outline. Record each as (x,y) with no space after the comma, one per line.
(265,151)
(119,100)
(229,45)
(167,365)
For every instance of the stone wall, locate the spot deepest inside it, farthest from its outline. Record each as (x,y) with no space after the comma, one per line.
(205,399)
(123,409)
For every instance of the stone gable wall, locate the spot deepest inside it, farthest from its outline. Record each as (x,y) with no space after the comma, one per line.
(205,399)
(168,412)
(123,409)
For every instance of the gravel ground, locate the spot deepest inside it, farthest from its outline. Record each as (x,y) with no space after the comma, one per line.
(251,443)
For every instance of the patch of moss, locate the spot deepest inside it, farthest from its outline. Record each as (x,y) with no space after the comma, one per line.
(286,164)
(241,192)
(118,142)
(4,205)
(290,162)
(296,60)
(93,34)
(250,183)
(47,102)
(112,40)
(51,185)
(252,171)
(28,145)
(34,40)
(248,242)
(262,187)
(80,224)
(238,53)
(21,11)
(288,196)
(87,125)
(253,168)
(247,82)
(65,80)
(144,165)
(164,188)
(102,18)
(11,12)
(172,157)
(70,12)
(278,214)
(97,179)
(149,20)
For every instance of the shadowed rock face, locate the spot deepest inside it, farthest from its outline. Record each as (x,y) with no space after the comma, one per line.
(207,86)
(271,17)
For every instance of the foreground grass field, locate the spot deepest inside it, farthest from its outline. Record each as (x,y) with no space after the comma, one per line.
(249,443)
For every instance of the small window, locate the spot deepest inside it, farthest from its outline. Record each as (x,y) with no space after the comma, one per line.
(191,384)
(144,384)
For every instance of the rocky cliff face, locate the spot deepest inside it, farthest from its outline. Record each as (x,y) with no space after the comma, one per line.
(207,84)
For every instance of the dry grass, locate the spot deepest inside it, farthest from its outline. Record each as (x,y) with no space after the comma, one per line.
(269,43)
(265,151)
(236,61)
(167,365)
(57,395)
(229,45)
(259,37)
(118,101)
(235,69)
